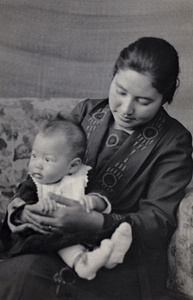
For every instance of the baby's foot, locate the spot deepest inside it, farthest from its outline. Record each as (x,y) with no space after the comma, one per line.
(90,262)
(122,239)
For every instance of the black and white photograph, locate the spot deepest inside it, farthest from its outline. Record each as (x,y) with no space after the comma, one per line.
(96,152)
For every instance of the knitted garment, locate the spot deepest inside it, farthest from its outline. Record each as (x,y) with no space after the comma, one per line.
(70,186)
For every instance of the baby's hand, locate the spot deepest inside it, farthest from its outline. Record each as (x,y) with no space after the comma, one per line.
(88,202)
(48,205)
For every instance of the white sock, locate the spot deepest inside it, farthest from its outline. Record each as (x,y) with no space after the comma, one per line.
(70,254)
(90,262)
(122,239)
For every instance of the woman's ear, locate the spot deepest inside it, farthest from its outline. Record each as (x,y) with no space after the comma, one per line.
(75,165)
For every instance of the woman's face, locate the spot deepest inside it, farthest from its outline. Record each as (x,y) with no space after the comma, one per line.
(132,99)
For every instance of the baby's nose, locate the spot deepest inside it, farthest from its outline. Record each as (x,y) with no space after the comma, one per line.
(39,165)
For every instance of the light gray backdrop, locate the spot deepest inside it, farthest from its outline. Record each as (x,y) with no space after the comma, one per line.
(67,48)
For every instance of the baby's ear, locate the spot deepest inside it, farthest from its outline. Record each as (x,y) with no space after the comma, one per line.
(75,165)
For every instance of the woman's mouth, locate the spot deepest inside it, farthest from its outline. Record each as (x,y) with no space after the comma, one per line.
(126,118)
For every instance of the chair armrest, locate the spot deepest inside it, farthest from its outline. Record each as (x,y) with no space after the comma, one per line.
(180,251)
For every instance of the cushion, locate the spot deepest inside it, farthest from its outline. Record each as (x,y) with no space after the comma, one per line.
(180,251)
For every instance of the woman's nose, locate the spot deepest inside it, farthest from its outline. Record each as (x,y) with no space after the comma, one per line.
(127,106)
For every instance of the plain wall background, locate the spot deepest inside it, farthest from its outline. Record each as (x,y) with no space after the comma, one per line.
(67,48)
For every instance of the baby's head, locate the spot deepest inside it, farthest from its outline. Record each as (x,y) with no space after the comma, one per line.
(57,151)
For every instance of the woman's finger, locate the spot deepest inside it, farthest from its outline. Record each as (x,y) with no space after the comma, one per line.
(43,226)
(46,230)
(31,218)
(35,219)
(54,222)
(36,209)
(42,221)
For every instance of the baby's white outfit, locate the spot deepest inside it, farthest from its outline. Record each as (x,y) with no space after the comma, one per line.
(73,187)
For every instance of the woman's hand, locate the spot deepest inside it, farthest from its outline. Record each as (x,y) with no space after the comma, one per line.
(71,217)
(26,217)
(18,218)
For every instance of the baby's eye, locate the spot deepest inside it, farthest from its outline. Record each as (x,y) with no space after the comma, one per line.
(33,155)
(47,159)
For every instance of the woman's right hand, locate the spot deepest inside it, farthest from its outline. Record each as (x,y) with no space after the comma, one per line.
(19,217)
(26,217)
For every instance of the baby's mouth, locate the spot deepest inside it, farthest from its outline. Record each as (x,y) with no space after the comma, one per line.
(37,176)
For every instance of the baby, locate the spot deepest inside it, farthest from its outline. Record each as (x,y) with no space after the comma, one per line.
(56,166)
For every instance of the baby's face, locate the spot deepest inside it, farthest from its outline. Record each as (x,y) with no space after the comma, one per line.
(50,159)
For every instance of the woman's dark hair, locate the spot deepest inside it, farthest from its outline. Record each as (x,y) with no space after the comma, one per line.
(156,57)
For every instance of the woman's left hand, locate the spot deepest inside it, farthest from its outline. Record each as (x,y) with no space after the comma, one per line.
(71,217)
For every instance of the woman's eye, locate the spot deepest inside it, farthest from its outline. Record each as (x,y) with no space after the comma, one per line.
(143,101)
(121,92)
(47,159)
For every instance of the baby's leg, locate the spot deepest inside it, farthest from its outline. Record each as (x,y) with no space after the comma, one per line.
(87,265)
(122,239)
(70,254)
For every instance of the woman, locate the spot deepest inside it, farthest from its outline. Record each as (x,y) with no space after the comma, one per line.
(141,161)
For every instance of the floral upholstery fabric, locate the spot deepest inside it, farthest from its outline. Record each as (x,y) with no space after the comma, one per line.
(20,119)
(180,251)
